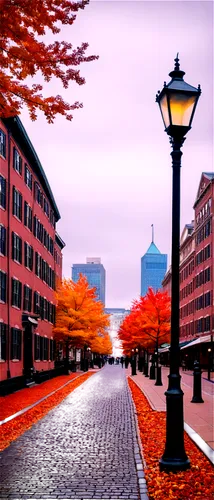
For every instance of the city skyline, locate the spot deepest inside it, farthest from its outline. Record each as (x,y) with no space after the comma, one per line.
(114,158)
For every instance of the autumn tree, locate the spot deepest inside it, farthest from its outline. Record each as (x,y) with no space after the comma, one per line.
(148,324)
(80,318)
(26,54)
(102,344)
(152,317)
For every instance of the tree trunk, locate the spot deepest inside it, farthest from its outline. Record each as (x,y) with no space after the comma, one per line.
(66,358)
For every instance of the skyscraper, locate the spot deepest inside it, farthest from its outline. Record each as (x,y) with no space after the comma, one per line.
(153,269)
(95,273)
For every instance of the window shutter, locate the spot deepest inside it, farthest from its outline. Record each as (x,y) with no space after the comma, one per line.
(19,345)
(42,307)
(41,348)
(20,160)
(34,225)
(25,253)
(48,349)
(35,346)
(12,294)
(20,295)
(13,245)
(24,298)
(31,260)
(30,220)
(13,200)
(25,213)
(48,311)
(3,342)
(12,344)
(14,157)
(30,300)
(35,302)
(54,314)
(36,263)
(20,246)
(20,206)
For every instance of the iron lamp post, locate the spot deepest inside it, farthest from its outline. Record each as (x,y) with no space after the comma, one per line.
(177,102)
(134,364)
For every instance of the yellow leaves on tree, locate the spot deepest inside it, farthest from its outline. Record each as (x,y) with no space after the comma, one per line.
(148,324)
(23,55)
(80,318)
(102,345)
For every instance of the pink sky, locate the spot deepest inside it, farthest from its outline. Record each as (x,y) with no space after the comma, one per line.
(110,168)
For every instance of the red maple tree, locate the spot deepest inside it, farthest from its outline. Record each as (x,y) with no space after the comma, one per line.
(22,55)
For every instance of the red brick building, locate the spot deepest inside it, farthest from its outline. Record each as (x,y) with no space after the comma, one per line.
(196,267)
(30,257)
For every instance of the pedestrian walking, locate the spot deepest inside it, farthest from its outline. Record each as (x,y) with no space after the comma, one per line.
(122,361)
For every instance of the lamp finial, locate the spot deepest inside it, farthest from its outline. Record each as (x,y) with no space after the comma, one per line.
(177,64)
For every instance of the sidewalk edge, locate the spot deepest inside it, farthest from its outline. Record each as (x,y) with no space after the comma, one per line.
(139,462)
(201,444)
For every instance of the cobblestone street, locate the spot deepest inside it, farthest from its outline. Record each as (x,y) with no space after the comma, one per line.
(85,448)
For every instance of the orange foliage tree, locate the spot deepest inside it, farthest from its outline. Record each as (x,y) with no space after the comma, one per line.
(148,324)
(80,318)
(102,344)
(23,55)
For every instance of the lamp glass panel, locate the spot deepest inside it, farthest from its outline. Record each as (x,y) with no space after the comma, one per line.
(165,111)
(181,107)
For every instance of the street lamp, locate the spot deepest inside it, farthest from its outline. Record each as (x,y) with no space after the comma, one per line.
(134,354)
(177,102)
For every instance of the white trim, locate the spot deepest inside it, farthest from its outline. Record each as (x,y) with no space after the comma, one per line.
(200,442)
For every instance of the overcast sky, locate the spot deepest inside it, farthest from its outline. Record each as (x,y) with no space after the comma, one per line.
(110,168)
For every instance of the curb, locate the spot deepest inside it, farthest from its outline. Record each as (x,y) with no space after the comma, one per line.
(138,453)
(27,408)
(196,438)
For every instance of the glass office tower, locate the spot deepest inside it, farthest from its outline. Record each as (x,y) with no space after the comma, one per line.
(95,274)
(153,269)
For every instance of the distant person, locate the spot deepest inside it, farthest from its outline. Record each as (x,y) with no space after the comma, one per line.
(122,361)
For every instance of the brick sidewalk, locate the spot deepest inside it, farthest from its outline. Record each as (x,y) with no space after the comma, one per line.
(199,416)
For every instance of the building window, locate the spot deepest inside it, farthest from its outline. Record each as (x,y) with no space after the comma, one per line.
(207,275)
(3,285)
(36,347)
(16,248)
(27,298)
(207,253)
(45,349)
(41,348)
(17,161)
(2,144)
(36,304)
(46,207)
(28,178)
(207,299)
(28,216)
(16,293)
(38,194)
(38,269)
(28,256)
(38,229)
(16,343)
(17,203)
(2,240)
(207,324)
(51,248)
(51,313)
(51,349)
(3,330)
(2,192)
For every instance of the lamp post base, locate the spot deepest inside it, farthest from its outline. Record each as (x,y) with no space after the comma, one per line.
(174,457)
(169,465)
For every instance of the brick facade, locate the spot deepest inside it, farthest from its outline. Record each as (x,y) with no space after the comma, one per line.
(196,266)
(30,256)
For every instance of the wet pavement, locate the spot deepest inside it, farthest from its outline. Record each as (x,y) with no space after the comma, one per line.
(85,448)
